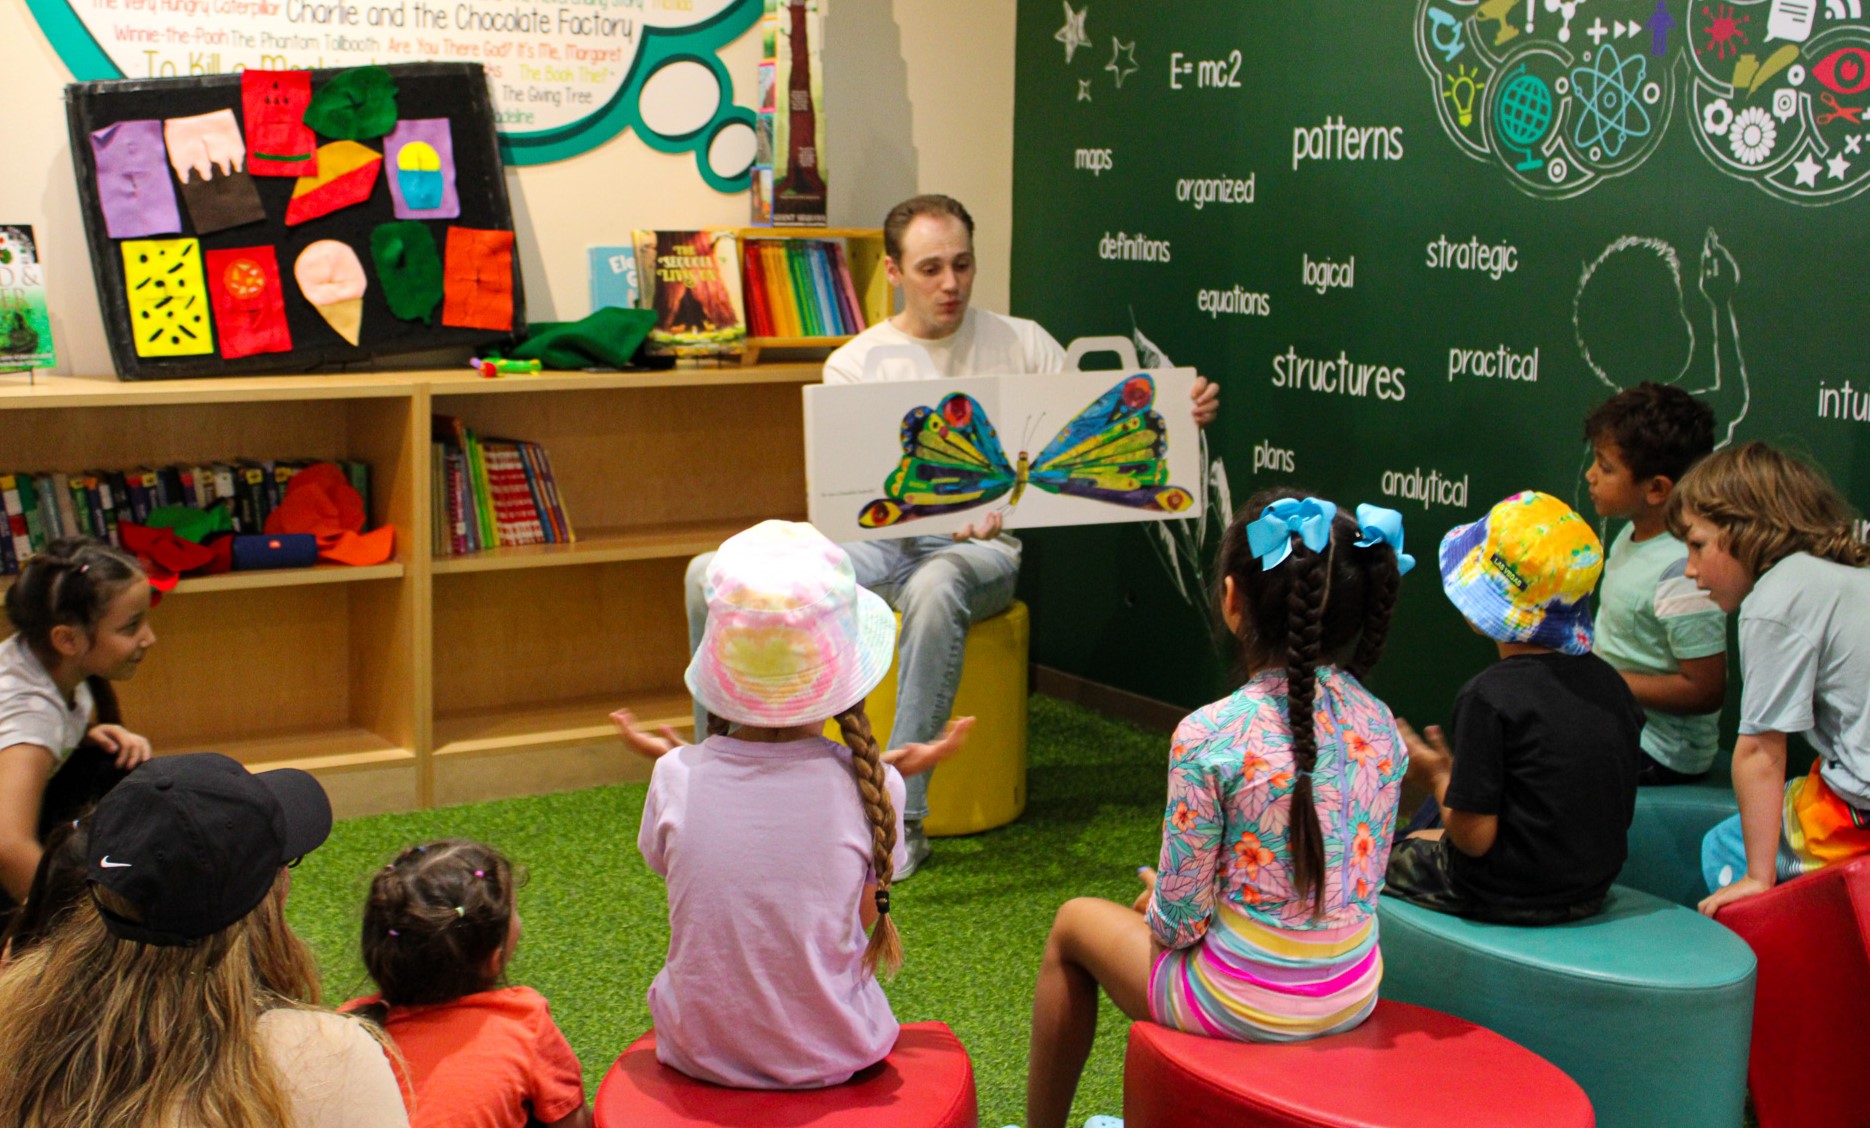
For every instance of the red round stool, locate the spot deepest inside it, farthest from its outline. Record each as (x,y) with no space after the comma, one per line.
(1405,1067)
(926,1082)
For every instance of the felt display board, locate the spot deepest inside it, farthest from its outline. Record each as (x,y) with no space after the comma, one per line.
(1416,242)
(208,272)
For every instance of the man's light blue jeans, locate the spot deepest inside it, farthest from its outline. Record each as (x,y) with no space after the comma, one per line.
(940,587)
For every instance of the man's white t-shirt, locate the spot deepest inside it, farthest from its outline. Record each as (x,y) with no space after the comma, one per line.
(986,344)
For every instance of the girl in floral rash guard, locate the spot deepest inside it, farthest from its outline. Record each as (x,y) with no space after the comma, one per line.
(1282,801)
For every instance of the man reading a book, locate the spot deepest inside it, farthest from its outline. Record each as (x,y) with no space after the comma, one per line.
(940,584)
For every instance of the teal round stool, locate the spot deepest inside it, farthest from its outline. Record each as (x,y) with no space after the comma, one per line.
(1648,1005)
(1666,834)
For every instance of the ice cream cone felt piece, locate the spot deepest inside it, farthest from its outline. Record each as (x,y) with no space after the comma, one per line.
(332,279)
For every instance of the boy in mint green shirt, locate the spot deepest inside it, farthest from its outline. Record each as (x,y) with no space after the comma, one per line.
(1654,626)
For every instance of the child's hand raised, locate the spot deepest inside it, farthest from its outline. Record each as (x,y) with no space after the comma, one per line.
(642,743)
(916,758)
(1429,757)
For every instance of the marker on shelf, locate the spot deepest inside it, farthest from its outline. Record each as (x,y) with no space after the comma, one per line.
(494,366)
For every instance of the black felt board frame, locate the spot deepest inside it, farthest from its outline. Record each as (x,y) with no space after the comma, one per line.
(455,91)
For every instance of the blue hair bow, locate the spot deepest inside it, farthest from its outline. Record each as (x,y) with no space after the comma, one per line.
(1377,525)
(1270,537)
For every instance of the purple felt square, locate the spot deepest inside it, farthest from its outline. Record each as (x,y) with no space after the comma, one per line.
(134,185)
(419,163)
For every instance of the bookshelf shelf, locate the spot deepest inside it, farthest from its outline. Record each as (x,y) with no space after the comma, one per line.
(435,679)
(601,546)
(289,577)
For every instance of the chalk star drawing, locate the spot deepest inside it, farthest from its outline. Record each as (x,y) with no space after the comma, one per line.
(1084,90)
(1838,166)
(1119,49)
(1072,34)
(1610,107)
(1808,171)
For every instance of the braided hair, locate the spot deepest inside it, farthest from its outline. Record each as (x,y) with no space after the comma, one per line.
(434,920)
(69,584)
(885,949)
(1315,608)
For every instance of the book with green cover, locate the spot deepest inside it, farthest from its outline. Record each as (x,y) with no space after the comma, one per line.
(25,328)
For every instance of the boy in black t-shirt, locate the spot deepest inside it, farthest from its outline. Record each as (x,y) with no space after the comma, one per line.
(1532,804)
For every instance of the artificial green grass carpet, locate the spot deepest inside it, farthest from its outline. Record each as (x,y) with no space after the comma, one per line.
(974,920)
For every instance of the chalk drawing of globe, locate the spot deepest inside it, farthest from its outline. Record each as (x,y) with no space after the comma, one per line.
(1525,110)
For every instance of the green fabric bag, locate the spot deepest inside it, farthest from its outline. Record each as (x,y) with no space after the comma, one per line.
(608,338)
(192,524)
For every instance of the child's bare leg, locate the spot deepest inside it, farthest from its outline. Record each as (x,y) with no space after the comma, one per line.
(1092,943)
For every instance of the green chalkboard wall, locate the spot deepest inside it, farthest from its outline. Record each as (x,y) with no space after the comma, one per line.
(1416,241)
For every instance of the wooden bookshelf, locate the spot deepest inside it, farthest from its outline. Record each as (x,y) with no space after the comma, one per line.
(440,679)
(863,250)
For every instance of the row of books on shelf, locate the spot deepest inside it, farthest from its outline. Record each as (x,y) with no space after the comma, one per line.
(709,294)
(45,507)
(800,288)
(491,492)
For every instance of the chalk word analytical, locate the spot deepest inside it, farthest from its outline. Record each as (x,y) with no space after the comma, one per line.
(1327,275)
(1242,303)
(1433,488)
(1215,190)
(1132,248)
(1335,141)
(1498,363)
(1266,456)
(1340,376)
(1097,162)
(1492,260)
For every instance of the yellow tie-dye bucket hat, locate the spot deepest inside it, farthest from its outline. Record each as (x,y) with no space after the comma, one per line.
(1525,572)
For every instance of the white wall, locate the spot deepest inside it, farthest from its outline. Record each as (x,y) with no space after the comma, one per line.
(920,100)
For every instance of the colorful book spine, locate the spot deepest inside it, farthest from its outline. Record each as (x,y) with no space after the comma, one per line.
(35,517)
(847,289)
(16,517)
(542,509)
(568,534)
(759,308)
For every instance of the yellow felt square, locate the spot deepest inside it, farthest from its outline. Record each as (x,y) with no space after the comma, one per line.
(168,294)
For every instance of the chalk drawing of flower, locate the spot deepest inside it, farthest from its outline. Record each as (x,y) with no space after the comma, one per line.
(1752,135)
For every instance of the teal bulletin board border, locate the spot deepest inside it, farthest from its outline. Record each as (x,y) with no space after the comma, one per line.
(700,43)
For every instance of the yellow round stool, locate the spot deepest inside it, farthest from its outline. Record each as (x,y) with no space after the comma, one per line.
(983,785)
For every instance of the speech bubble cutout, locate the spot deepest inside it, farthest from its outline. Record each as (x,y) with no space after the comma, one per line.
(1791,19)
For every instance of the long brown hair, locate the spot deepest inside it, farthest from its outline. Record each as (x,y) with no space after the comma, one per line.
(885,949)
(106,1032)
(1767,505)
(1316,608)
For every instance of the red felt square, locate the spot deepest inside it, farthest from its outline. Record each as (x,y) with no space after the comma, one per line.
(477,279)
(249,304)
(272,103)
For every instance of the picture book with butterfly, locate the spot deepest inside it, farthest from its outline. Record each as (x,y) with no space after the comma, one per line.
(923,457)
(692,280)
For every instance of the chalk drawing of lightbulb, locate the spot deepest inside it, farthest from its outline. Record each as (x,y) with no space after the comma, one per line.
(1462,90)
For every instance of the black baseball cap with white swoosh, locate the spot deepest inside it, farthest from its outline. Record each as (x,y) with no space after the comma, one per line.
(196,841)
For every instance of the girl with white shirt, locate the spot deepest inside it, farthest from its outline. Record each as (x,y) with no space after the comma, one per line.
(80,611)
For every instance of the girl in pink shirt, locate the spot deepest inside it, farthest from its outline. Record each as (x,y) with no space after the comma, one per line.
(778,845)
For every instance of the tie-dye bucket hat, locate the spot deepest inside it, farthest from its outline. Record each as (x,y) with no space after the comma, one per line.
(1525,572)
(791,638)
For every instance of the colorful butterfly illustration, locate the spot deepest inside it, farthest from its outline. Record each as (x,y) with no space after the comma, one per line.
(1111,451)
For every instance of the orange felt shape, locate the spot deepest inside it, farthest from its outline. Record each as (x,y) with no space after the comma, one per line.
(477,279)
(320,500)
(346,173)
